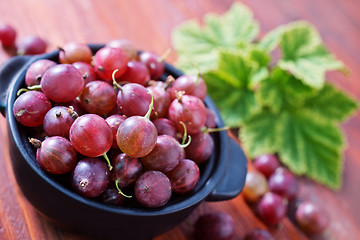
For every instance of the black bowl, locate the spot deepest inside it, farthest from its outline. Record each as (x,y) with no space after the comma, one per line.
(222,177)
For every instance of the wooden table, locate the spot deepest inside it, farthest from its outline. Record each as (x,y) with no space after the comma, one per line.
(148,24)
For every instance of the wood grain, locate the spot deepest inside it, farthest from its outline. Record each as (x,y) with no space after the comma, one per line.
(149,24)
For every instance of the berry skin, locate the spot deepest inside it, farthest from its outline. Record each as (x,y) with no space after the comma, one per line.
(31,45)
(190,110)
(272,208)
(266,164)
(136,72)
(258,234)
(107,60)
(31,107)
(133,99)
(86,70)
(98,97)
(136,136)
(153,189)
(191,84)
(57,121)
(62,83)
(126,170)
(311,218)
(91,135)
(165,156)
(112,196)
(255,186)
(201,147)
(90,177)
(210,119)
(184,176)
(56,155)
(154,63)
(75,52)
(36,70)
(126,45)
(7,35)
(215,226)
(283,183)
(165,126)
(114,122)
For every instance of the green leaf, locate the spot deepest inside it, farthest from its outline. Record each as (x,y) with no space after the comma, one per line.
(312,147)
(332,104)
(301,125)
(270,95)
(281,105)
(199,45)
(282,90)
(260,133)
(230,87)
(305,56)
(272,39)
(306,145)
(262,59)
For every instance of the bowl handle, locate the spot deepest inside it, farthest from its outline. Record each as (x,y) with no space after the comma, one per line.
(8,71)
(234,179)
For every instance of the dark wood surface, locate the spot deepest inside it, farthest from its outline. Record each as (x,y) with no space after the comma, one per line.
(148,24)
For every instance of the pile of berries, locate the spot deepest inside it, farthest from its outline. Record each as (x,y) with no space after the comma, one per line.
(271,190)
(29,45)
(105,121)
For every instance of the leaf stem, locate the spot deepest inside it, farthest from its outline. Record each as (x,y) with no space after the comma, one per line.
(198,75)
(211,130)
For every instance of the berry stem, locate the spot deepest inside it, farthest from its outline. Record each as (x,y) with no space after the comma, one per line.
(185,132)
(183,144)
(186,144)
(114,80)
(61,49)
(84,183)
(85,75)
(179,95)
(169,81)
(108,161)
(58,114)
(151,106)
(21,90)
(117,187)
(35,87)
(165,55)
(72,113)
(35,142)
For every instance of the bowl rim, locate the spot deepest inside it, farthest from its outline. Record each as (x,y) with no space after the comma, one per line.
(217,172)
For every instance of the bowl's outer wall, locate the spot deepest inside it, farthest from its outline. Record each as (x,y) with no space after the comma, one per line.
(7,72)
(77,214)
